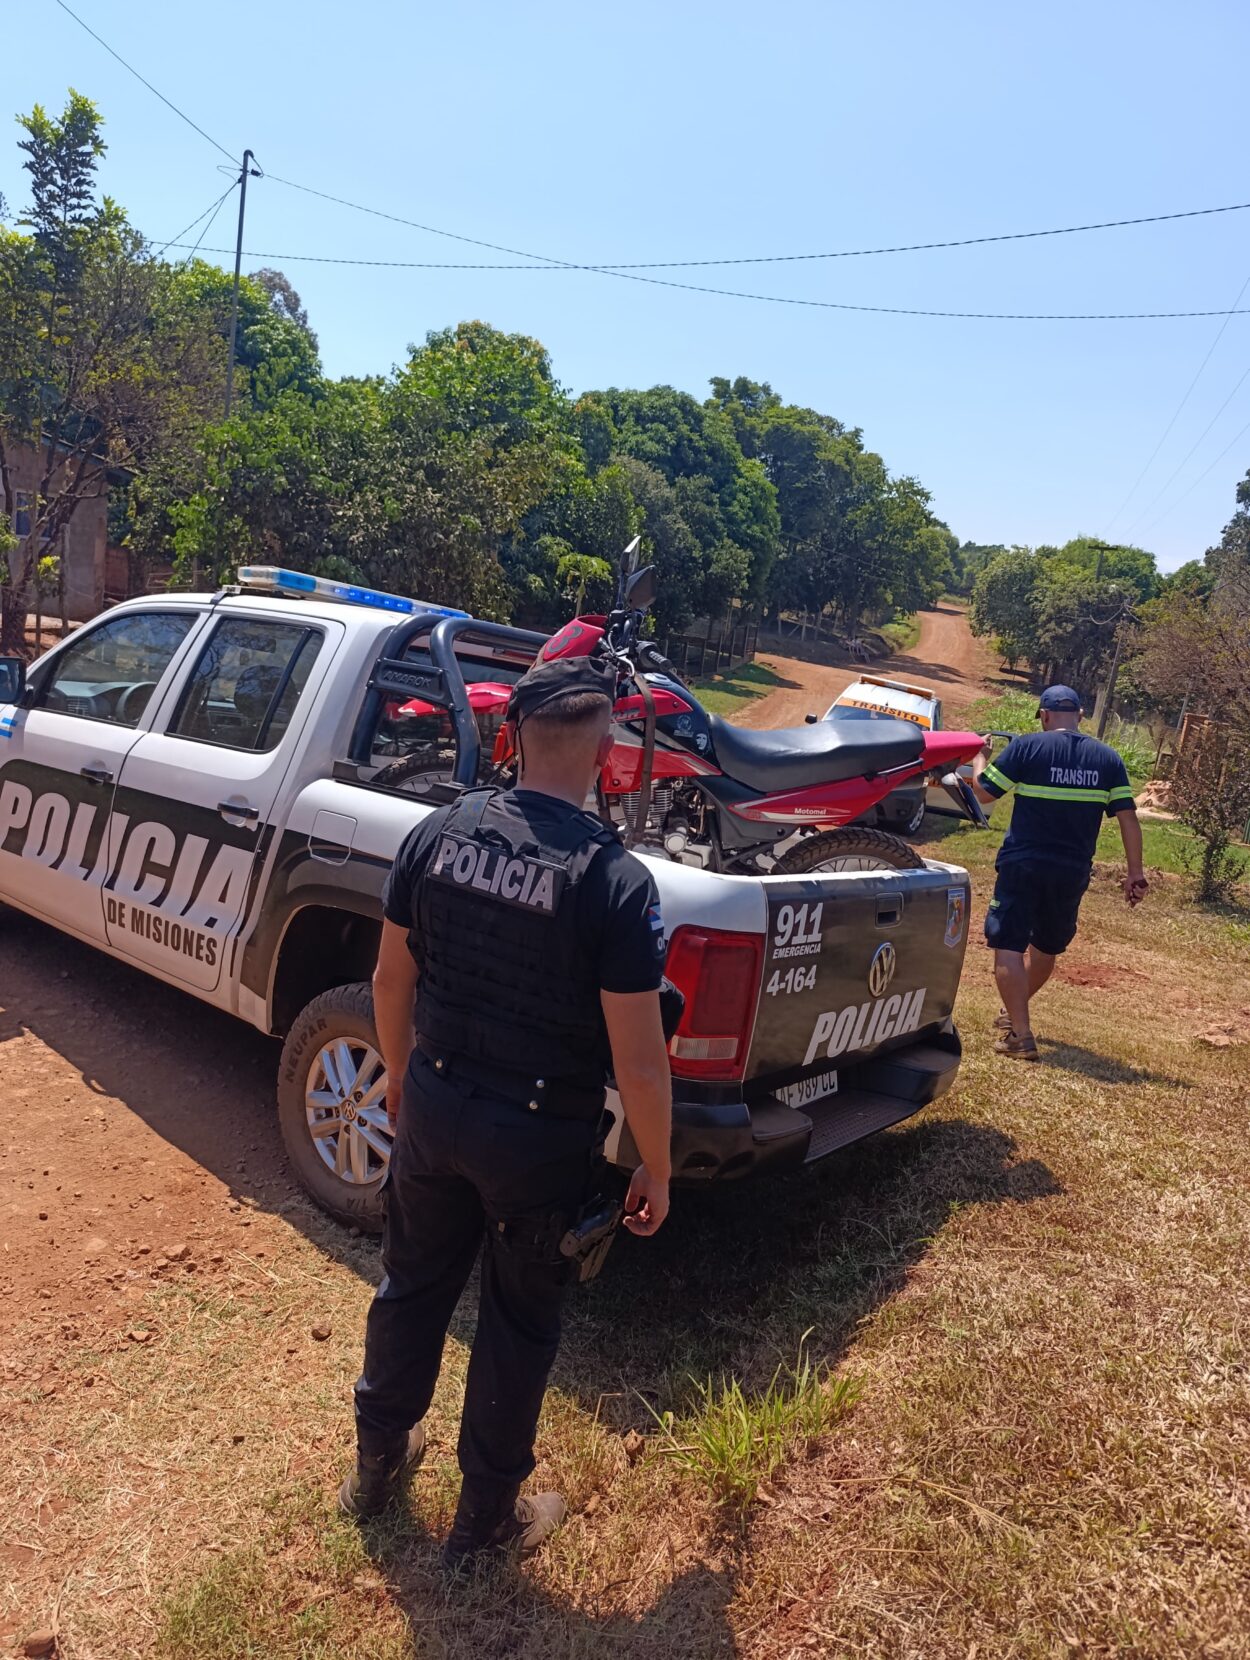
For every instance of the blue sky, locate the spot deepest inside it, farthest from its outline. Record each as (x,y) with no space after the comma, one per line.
(691,130)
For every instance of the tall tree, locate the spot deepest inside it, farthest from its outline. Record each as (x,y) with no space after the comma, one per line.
(99,366)
(284,299)
(724,499)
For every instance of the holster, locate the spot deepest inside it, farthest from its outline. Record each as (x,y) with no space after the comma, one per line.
(588,1241)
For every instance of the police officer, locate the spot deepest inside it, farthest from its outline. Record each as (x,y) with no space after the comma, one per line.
(532,944)
(1065,782)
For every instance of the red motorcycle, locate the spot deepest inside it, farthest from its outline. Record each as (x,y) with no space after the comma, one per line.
(685,784)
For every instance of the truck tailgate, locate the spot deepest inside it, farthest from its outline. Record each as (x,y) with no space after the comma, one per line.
(854,964)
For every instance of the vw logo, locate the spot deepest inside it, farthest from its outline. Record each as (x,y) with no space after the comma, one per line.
(881,968)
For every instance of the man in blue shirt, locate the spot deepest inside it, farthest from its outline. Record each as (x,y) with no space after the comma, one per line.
(1065,782)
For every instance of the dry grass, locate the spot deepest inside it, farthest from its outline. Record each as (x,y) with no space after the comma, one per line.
(1042,1286)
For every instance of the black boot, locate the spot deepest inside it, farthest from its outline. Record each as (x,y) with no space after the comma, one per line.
(380,1477)
(489,1523)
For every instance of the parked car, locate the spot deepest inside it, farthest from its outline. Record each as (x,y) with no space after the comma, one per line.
(872,697)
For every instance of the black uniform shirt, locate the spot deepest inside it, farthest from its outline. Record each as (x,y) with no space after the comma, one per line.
(618,906)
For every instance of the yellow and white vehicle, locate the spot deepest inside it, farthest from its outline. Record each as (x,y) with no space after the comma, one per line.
(873,697)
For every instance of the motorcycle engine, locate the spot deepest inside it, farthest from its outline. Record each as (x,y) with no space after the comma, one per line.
(661,806)
(674,823)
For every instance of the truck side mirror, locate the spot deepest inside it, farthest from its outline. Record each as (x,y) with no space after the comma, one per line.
(12,679)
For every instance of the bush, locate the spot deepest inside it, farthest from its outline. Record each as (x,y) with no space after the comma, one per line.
(1137,748)
(732,1443)
(1012,712)
(1211,796)
(1017,712)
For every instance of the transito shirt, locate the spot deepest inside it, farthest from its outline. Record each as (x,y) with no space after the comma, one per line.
(1065,782)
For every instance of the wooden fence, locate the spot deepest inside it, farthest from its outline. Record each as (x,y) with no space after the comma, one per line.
(697,655)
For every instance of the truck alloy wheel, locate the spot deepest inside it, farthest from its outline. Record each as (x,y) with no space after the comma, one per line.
(345,1104)
(332,1105)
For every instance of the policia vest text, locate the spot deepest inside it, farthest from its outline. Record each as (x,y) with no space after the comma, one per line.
(507,979)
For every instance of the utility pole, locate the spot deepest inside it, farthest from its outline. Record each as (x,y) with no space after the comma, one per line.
(1102,704)
(255,172)
(1102,708)
(1100,548)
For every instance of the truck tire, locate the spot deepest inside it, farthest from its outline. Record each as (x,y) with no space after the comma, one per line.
(916,820)
(332,1105)
(854,847)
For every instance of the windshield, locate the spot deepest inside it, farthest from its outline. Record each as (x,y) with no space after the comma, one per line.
(842,711)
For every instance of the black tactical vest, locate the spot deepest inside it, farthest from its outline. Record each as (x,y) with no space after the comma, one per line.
(507,979)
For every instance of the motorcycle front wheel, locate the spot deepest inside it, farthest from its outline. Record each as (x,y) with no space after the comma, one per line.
(854,847)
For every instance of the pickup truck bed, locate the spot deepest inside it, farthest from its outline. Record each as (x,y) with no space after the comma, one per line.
(188,784)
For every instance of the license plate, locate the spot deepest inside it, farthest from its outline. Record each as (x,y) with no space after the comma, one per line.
(808,1090)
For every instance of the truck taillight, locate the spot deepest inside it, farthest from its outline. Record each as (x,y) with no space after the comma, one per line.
(720,976)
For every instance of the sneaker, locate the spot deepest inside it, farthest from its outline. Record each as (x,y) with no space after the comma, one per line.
(524,1526)
(380,1477)
(1019,1048)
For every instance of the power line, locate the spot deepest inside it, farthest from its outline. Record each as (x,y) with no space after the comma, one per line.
(742,294)
(169,104)
(756,259)
(1219,334)
(208,227)
(1168,511)
(212,209)
(1159,494)
(629,271)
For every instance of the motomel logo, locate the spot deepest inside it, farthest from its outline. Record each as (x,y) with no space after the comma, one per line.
(860,1024)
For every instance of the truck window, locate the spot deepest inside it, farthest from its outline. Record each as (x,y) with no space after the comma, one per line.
(111,673)
(246,684)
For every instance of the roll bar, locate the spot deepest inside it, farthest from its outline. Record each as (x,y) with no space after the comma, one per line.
(442,683)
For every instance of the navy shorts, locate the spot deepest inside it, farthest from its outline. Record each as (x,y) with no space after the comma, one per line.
(1037,904)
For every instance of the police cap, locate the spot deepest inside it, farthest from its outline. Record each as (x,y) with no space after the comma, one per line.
(548,683)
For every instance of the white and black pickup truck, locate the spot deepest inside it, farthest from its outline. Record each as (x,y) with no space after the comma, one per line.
(195,784)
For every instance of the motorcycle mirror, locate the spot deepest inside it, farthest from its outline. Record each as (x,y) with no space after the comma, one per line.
(628,565)
(811,719)
(640,588)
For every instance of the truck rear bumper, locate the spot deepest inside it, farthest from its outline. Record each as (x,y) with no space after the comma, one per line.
(726,1140)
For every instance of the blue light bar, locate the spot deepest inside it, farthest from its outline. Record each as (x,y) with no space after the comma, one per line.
(271,579)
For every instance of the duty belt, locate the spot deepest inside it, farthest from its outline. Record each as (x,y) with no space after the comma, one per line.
(554,1098)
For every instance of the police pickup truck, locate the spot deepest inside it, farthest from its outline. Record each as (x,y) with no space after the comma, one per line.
(196,784)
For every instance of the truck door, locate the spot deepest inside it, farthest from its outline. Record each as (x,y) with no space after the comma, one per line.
(61,759)
(199,793)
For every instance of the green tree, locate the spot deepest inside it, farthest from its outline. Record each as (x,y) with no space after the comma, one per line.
(969,560)
(724,498)
(1194,577)
(1004,604)
(275,351)
(101,370)
(1130,567)
(413,483)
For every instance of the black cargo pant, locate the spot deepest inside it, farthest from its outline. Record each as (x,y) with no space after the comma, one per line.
(468,1166)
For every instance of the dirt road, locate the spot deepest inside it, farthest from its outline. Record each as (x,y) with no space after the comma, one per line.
(947,657)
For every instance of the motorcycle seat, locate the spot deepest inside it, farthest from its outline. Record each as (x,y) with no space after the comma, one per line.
(826,752)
